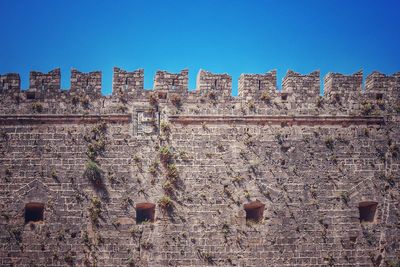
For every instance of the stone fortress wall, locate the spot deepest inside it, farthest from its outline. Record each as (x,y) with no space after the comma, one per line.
(171,177)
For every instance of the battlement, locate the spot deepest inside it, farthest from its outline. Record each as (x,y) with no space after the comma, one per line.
(128,82)
(255,86)
(86,83)
(45,82)
(10,82)
(177,82)
(381,86)
(338,87)
(297,84)
(171,177)
(218,85)
(300,92)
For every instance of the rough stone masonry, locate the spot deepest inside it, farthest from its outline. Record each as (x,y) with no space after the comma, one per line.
(172,177)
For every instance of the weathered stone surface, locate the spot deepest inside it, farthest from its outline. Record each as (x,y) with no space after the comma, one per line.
(203,158)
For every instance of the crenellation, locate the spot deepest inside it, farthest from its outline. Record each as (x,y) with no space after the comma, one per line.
(343,90)
(301,91)
(45,82)
(174,82)
(214,85)
(86,83)
(258,93)
(379,86)
(257,86)
(10,82)
(124,82)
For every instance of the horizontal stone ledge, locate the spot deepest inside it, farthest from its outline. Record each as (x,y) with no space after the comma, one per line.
(279,120)
(63,119)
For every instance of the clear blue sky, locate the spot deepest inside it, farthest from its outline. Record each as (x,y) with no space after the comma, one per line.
(216,35)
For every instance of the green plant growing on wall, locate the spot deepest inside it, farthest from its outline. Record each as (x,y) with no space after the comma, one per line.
(344,195)
(330,260)
(252,222)
(96,141)
(162,95)
(253,167)
(380,103)
(397,108)
(172,172)
(142,191)
(238,179)
(100,239)
(112,178)
(16,233)
(86,240)
(204,126)
(165,202)
(54,174)
(184,155)
(329,143)
(212,96)
(100,129)
(367,107)
(147,245)
(366,132)
(126,202)
(93,172)
(279,137)
(135,231)
(306,139)
(136,158)
(266,97)
(226,230)
(393,263)
(75,100)
(153,100)
(320,102)
(61,235)
(8,172)
(165,128)
(324,235)
(206,256)
(389,179)
(394,150)
(165,155)
(209,155)
(138,162)
(122,108)
(3,135)
(248,142)
(95,210)
(85,101)
(69,258)
(153,170)
(251,105)
(220,147)
(37,107)
(168,186)
(96,147)
(370,237)
(132,261)
(176,100)
(333,159)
